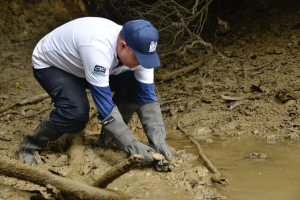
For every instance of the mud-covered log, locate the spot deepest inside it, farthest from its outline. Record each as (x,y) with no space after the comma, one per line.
(118,170)
(69,189)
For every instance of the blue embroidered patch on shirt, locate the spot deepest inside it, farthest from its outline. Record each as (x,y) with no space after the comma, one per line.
(99,71)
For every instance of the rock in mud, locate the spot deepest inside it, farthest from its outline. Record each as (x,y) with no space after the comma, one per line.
(198,131)
(271,138)
(287,94)
(254,155)
(208,140)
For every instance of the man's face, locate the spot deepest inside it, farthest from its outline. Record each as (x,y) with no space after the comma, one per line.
(126,55)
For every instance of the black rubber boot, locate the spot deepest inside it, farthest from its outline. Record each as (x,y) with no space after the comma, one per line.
(38,140)
(126,108)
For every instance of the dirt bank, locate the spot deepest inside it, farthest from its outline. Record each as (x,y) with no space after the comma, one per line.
(253,91)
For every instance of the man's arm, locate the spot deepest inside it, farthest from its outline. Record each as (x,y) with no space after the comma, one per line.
(113,124)
(102,99)
(146,93)
(150,115)
(96,64)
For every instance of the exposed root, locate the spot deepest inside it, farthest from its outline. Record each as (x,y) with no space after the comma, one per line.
(216,177)
(26,101)
(181,71)
(63,187)
(75,153)
(118,170)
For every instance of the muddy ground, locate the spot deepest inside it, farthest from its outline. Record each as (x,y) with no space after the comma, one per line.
(252,91)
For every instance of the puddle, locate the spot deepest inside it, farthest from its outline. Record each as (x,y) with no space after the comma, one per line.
(276,177)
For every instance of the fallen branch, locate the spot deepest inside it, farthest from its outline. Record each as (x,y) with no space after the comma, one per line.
(26,101)
(216,177)
(68,189)
(118,170)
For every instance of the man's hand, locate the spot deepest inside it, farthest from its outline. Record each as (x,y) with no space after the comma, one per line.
(115,127)
(161,164)
(151,119)
(156,137)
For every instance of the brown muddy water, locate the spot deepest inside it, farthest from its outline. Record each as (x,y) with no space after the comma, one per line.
(275,178)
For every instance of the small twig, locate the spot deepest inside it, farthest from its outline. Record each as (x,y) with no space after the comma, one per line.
(11,112)
(172,101)
(118,170)
(260,67)
(180,6)
(216,177)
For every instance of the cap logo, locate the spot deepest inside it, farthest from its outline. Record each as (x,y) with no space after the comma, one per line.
(152,46)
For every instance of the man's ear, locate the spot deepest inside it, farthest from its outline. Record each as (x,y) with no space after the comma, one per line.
(123,44)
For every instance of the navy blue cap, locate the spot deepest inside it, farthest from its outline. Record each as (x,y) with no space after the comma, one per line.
(142,37)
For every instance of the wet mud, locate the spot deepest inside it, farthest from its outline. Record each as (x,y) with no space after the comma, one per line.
(252,92)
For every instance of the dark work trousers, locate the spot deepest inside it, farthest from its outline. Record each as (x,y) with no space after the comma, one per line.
(68,93)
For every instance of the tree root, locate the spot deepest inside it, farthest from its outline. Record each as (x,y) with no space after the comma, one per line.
(182,71)
(259,67)
(76,161)
(216,177)
(118,170)
(63,187)
(26,101)
(75,152)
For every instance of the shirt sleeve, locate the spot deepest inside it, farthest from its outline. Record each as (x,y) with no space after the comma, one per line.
(146,92)
(103,100)
(145,85)
(144,75)
(96,63)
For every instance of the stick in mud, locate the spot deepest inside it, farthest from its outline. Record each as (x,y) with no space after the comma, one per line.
(69,189)
(182,71)
(216,177)
(118,170)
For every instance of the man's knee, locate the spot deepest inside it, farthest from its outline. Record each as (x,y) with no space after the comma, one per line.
(76,126)
(67,125)
(71,119)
